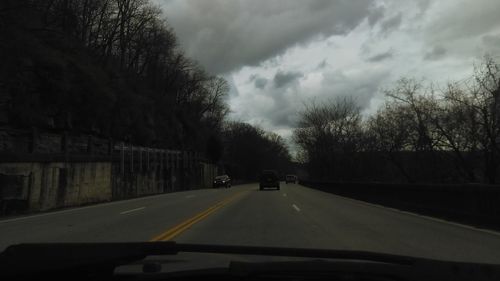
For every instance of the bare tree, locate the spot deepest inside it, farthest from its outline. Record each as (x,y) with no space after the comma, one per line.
(412,96)
(329,133)
(478,105)
(392,133)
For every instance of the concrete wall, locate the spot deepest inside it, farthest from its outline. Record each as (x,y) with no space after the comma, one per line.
(155,180)
(207,174)
(139,171)
(39,186)
(43,171)
(42,185)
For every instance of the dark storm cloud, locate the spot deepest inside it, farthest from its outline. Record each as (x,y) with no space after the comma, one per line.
(492,40)
(382,56)
(376,15)
(283,78)
(224,35)
(284,117)
(260,83)
(361,86)
(289,98)
(423,5)
(491,45)
(322,64)
(465,20)
(283,113)
(436,53)
(391,23)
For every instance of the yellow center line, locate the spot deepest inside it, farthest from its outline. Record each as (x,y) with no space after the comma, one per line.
(183,226)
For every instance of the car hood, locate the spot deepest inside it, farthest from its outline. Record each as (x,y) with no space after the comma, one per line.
(106,259)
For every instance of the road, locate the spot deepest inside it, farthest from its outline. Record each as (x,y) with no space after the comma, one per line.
(295,216)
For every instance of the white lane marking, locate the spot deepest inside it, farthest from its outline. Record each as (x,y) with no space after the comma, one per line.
(296,208)
(190,196)
(284,194)
(133,210)
(64,211)
(469,227)
(97,205)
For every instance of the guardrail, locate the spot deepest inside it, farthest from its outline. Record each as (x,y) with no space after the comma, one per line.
(476,204)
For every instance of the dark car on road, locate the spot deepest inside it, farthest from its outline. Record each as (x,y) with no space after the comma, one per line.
(269,178)
(290,179)
(222,181)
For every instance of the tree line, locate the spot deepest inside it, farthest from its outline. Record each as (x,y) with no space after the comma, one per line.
(113,68)
(249,150)
(108,67)
(450,133)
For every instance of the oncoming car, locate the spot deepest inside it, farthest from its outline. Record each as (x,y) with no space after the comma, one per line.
(222,181)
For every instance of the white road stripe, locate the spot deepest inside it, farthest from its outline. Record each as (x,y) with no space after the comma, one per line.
(133,210)
(296,208)
(74,209)
(96,205)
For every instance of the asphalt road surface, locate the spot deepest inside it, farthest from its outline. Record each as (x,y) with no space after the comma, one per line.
(294,216)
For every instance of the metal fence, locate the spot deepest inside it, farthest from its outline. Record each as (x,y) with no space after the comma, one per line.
(32,144)
(139,159)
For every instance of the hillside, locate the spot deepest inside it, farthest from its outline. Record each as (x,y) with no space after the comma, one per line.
(55,74)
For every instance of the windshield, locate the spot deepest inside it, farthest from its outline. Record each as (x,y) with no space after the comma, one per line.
(344,125)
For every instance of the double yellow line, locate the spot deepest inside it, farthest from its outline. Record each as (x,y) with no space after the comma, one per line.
(183,226)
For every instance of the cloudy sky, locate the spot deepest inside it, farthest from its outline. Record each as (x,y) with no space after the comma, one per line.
(277,54)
